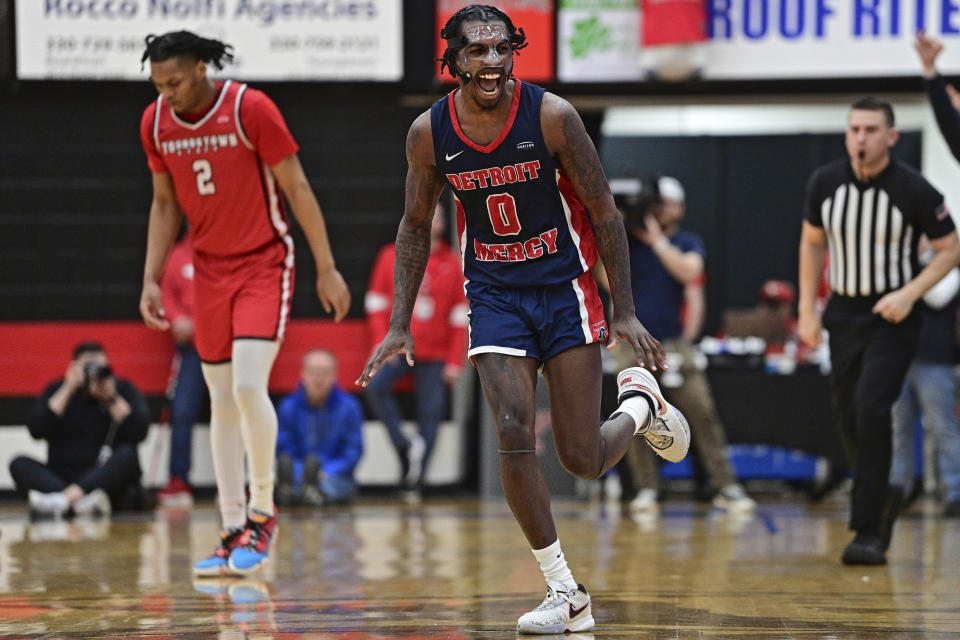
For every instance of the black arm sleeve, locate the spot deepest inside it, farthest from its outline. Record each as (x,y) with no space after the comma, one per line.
(947,117)
(44,424)
(134,428)
(811,203)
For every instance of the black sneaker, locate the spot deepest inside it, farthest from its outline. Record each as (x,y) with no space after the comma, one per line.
(864,549)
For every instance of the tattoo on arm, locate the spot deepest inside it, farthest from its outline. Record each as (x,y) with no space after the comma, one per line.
(613,250)
(579,158)
(422,190)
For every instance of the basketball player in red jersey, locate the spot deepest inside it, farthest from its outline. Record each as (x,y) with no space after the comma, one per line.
(220,153)
(534,212)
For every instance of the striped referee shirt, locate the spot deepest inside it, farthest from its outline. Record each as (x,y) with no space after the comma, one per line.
(873,227)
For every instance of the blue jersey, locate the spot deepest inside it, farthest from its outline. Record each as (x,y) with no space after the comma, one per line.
(519,221)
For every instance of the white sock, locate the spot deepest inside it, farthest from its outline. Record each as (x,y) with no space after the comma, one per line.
(226,445)
(638,408)
(553,564)
(252,362)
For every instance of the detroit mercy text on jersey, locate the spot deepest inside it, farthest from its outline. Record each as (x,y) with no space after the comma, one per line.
(220,169)
(518,219)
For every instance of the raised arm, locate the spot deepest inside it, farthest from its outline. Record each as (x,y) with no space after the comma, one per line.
(165,220)
(948,119)
(423,186)
(567,140)
(331,288)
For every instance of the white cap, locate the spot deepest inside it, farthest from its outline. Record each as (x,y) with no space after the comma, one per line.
(670,189)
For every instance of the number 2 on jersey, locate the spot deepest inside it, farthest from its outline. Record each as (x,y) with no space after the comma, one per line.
(204,171)
(503,214)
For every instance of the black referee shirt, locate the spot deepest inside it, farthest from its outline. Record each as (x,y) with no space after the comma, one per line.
(873,227)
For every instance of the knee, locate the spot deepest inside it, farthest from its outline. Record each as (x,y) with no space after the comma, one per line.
(514,434)
(18,467)
(578,461)
(246,392)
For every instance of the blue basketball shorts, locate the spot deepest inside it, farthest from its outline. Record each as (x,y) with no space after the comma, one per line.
(535,322)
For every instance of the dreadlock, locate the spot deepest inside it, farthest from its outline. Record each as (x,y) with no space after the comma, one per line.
(457,41)
(185,43)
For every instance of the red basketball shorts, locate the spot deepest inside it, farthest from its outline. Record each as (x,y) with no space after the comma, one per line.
(245,296)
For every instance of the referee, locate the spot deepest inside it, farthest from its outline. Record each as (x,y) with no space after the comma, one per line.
(869,211)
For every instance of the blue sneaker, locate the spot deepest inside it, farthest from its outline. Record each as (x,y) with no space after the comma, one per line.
(253,551)
(217,564)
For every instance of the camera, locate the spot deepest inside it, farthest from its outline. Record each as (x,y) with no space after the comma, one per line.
(94,372)
(634,197)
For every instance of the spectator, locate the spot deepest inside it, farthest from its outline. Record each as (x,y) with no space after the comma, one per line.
(667,269)
(320,437)
(930,392)
(187,391)
(439,329)
(92,423)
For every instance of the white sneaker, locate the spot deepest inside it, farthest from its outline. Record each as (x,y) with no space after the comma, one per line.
(415,457)
(667,433)
(49,505)
(96,504)
(734,499)
(645,501)
(559,612)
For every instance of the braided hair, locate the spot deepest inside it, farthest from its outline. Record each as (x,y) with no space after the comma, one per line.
(457,41)
(185,43)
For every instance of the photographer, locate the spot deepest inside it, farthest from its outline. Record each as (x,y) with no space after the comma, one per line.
(92,423)
(667,274)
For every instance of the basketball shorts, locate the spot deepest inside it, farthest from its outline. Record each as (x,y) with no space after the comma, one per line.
(245,296)
(535,322)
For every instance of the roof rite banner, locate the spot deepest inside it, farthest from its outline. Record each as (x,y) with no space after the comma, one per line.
(272,39)
(599,40)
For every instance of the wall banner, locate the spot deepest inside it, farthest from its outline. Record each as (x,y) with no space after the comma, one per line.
(755,39)
(341,40)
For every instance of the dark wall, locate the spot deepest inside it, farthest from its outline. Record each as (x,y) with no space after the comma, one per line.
(744,197)
(76,191)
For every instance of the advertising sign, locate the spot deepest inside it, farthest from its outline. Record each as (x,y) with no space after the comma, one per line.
(272,39)
(598,40)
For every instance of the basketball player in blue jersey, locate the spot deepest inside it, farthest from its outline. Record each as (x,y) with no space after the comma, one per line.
(534,211)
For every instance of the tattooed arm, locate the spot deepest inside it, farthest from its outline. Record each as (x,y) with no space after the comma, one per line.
(422,191)
(569,143)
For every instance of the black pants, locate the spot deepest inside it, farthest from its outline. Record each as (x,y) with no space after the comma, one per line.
(114,476)
(869,358)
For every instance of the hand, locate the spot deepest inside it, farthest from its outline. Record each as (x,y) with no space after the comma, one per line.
(151,307)
(333,293)
(809,329)
(451,373)
(73,379)
(928,48)
(119,409)
(648,350)
(652,231)
(396,341)
(183,330)
(895,306)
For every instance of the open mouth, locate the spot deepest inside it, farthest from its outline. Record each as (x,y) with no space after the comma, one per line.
(488,81)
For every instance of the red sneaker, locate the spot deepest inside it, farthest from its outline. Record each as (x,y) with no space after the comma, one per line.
(177,493)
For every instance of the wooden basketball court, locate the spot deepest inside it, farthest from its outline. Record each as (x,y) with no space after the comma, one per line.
(461,569)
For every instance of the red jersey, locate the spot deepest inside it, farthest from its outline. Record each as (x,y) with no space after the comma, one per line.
(220,168)
(439,321)
(176,286)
